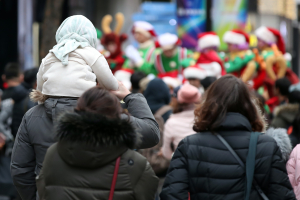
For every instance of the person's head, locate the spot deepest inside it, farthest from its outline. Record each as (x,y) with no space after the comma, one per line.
(195,82)
(207,81)
(75,31)
(135,79)
(282,88)
(168,43)
(208,41)
(187,95)
(12,74)
(143,31)
(100,101)
(227,94)
(236,40)
(157,94)
(294,97)
(30,77)
(268,36)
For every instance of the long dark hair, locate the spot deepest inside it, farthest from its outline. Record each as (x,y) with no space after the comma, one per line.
(99,101)
(227,94)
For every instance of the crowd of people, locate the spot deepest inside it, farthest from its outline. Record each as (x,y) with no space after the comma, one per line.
(158,122)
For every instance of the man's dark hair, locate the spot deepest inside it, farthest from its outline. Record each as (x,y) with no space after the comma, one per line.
(207,81)
(294,97)
(12,70)
(283,85)
(30,75)
(135,79)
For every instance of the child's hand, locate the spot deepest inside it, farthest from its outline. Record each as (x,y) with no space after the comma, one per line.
(122,91)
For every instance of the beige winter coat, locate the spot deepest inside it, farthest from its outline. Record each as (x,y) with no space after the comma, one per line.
(85,65)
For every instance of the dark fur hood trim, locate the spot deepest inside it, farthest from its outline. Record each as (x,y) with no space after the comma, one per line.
(96,130)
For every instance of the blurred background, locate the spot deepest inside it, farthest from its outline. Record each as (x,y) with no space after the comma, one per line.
(28,27)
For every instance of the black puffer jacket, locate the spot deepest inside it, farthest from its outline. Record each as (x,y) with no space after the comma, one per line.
(204,167)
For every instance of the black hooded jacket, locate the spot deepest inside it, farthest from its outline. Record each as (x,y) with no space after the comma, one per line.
(205,168)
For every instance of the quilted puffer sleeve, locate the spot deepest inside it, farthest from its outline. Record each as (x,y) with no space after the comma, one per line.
(293,170)
(176,186)
(279,183)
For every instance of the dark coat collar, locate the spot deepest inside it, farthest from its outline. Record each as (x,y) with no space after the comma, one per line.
(88,140)
(235,121)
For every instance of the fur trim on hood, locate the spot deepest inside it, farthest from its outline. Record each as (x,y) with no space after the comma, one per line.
(37,96)
(96,130)
(283,141)
(286,108)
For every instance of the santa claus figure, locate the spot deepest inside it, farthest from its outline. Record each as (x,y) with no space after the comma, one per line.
(112,42)
(272,47)
(209,63)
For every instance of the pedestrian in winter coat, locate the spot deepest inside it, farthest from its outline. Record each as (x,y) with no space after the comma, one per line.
(58,88)
(285,116)
(91,138)
(203,167)
(158,95)
(293,169)
(180,123)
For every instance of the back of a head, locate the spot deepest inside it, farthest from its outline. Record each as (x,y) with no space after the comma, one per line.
(283,85)
(30,75)
(294,97)
(99,101)
(227,94)
(207,81)
(12,71)
(157,91)
(135,79)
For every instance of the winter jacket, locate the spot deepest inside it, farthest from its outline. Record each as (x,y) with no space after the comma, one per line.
(284,115)
(18,94)
(158,95)
(205,168)
(36,135)
(177,127)
(81,165)
(84,66)
(293,169)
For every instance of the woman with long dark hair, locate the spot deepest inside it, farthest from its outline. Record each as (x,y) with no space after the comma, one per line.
(93,158)
(205,168)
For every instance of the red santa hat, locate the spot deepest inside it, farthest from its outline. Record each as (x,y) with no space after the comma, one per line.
(194,71)
(271,36)
(208,39)
(144,28)
(238,37)
(167,41)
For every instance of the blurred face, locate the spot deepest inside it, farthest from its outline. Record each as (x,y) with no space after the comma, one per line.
(140,38)
(232,47)
(170,52)
(111,47)
(195,82)
(261,44)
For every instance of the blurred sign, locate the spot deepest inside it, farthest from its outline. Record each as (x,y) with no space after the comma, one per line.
(228,15)
(286,8)
(191,20)
(161,15)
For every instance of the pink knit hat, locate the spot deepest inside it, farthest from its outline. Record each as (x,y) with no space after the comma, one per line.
(188,94)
